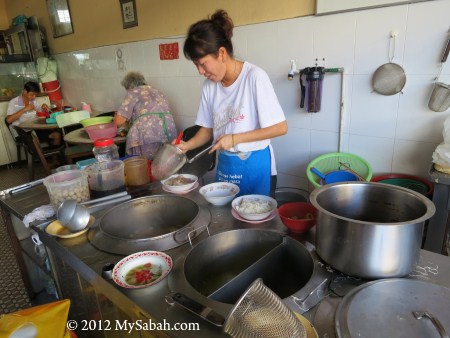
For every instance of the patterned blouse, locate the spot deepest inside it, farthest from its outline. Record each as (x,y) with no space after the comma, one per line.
(152,124)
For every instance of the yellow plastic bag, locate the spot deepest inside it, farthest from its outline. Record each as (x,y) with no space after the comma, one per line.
(48,320)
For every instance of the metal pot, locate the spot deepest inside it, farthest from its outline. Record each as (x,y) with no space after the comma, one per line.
(149,223)
(370,230)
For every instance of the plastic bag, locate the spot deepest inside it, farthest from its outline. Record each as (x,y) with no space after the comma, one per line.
(446,130)
(48,320)
(441,155)
(47,69)
(43,212)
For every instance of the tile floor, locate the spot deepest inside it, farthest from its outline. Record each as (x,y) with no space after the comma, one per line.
(13,295)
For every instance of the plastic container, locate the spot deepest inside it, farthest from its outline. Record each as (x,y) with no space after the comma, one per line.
(136,171)
(102,130)
(53,89)
(66,167)
(333,161)
(412,182)
(105,150)
(86,106)
(67,185)
(96,120)
(106,178)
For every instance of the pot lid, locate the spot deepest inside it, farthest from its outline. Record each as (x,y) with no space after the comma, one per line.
(384,308)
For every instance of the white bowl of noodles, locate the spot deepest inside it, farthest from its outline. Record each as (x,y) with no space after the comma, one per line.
(142,269)
(254,207)
(179,182)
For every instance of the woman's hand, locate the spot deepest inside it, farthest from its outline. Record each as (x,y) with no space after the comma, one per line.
(225,142)
(183,146)
(119,120)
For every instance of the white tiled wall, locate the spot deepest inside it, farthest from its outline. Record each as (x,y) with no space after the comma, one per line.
(393,133)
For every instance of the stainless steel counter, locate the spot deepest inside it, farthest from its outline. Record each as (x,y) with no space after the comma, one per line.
(149,303)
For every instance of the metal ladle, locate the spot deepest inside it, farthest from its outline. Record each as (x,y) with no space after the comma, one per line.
(75,216)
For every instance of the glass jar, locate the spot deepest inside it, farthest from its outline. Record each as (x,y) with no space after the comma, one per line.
(136,171)
(105,150)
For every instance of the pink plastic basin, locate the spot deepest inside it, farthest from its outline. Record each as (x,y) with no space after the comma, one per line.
(103,130)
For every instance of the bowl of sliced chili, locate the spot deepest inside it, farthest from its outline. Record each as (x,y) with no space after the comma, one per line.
(142,269)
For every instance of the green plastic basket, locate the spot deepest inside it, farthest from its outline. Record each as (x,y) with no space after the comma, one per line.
(331,162)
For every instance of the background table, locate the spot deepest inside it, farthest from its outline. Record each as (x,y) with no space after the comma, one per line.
(80,136)
(37,124)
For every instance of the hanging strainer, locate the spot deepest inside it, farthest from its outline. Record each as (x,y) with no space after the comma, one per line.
(390,78)
(259,313)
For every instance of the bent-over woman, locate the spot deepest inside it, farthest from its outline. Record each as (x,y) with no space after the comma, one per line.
(147,112)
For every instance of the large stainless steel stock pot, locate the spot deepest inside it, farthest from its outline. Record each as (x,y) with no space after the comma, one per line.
(370,230)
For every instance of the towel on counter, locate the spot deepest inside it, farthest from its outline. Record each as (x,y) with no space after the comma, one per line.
(40,213)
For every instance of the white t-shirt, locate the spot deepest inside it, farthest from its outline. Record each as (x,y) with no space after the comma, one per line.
(16,104)
(250,103)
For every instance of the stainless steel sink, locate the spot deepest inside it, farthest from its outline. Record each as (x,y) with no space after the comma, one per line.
(219,268)
(223,266)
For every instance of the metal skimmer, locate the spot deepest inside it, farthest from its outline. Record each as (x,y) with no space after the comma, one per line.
(259,312)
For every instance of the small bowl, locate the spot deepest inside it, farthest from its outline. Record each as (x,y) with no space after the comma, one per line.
(42,114)
(257,201)
(298,217)
(219,193)
(170,183)
(91,121)
(102,130)
(160,266)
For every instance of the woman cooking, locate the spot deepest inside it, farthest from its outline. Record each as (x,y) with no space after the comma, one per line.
(238,108)
(147,110)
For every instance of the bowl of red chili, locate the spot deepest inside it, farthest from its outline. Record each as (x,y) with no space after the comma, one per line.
(142,269)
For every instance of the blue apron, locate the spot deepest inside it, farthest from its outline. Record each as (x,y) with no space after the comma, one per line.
(249,170)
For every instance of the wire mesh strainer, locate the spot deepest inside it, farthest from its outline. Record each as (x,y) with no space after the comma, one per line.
(169,159)
(259,313)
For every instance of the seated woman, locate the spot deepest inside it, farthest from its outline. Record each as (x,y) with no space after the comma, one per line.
(23,107)
(147,111)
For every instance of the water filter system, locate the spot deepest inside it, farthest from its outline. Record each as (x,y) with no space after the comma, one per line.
(311,80)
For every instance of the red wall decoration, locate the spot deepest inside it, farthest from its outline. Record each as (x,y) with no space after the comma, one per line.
(168,51)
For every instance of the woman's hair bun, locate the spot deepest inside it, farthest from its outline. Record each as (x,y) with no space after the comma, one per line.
(222,19)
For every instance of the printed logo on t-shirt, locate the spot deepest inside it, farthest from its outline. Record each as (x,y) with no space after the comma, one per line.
(229,115)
